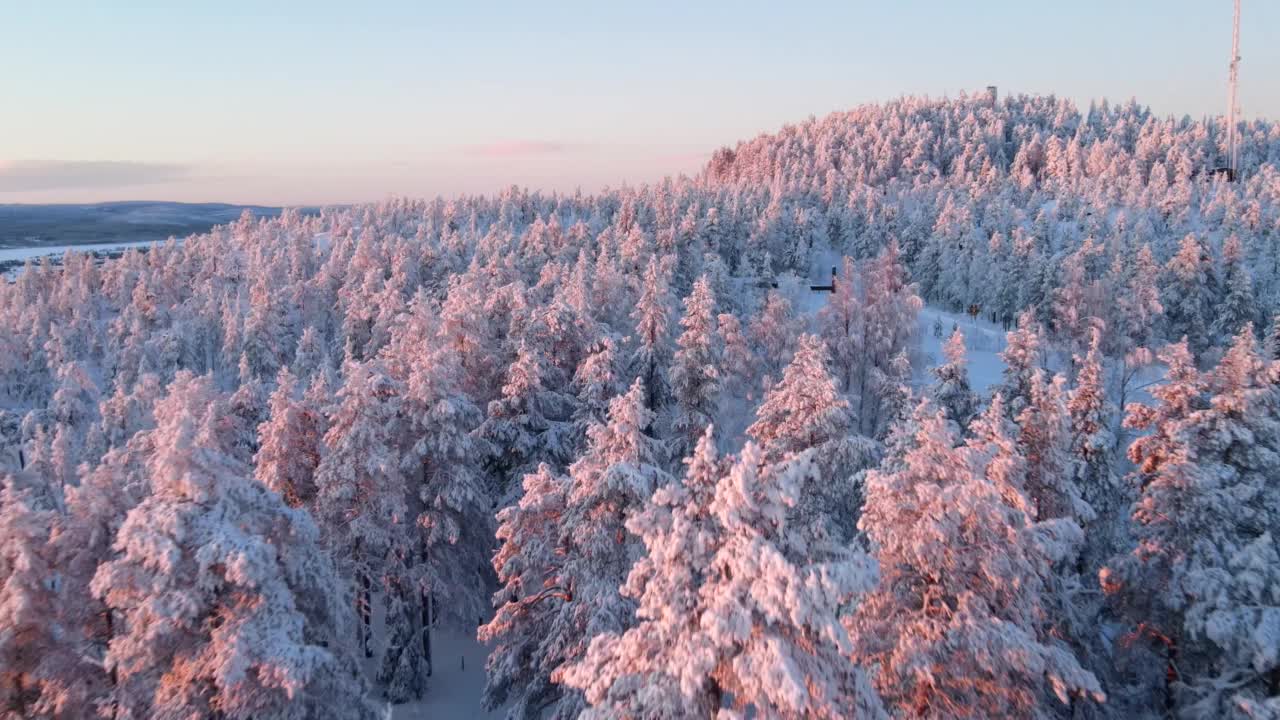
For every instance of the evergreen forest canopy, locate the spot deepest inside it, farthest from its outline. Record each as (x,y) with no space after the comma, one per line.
(663,486)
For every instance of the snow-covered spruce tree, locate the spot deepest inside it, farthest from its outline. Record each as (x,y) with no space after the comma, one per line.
(1021,358)
(1237,307)
(802,411)
(1189,291)
(562,579)
(1044,440)
(771,635)
(772,332)
(896,401)
(652,354)
(361,488)
(527,632)
(662,666)
(311,355)
(82,539)
(956,626)
(596,381)
(12,458)
(449,506)
(247,408)
(228,602)
(892,308)
(75,401)
(869,321)
(695,372)
(1138,312)
(607,485)
(1092,444)
(1203,578)
(843,322)
(529,425)
(28,637)
(289,443)
(127,411)
(738,363)
(804,408)
(1271,345)
(950,389)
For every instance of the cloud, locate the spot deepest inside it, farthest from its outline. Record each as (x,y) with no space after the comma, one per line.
(28,175)
(517,148)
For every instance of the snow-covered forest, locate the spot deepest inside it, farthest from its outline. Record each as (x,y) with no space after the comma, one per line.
(258,473)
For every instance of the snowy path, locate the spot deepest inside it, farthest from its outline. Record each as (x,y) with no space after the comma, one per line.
(456,684)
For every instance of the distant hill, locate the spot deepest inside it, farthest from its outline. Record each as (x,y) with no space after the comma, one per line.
(52,225)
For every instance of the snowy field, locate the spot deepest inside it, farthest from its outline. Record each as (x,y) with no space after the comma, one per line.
(18,256)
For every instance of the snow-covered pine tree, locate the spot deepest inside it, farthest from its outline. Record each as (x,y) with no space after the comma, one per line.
(771,632)
(1237,307)
(804,410)
(652,354)
(607,485)
(28,637)
(1092,444)
(1188,295)
(950,389)
(1021,358)
(662,667)
(289,443)
(695,372)
(228,601)
(528,630)
(956,626)
(1203,578)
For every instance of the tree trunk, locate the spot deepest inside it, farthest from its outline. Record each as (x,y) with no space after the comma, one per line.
(112,676)
(364,601)
(428,618)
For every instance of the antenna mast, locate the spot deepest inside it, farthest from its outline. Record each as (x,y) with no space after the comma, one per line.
(1233,109)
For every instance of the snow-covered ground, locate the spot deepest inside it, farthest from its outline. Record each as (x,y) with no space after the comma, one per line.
(456,684)
(457,678)
(983,340)
(11,254)
(12,259)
